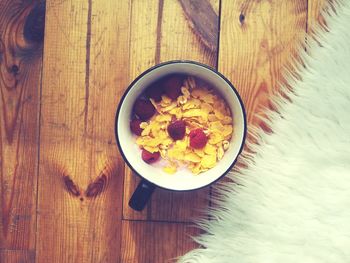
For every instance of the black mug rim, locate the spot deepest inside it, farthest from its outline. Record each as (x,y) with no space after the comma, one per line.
(178,62)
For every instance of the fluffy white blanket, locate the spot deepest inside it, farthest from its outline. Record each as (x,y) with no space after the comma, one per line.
(292,202)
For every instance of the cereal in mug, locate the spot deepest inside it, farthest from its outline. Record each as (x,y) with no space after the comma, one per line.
(183,121)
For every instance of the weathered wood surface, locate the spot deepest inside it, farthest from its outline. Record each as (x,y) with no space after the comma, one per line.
(81,173)
(155,241)
(21,41)
(316,10)
(17,256)
(257,40)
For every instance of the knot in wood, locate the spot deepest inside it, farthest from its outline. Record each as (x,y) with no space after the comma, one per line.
(96,187)
(35,24)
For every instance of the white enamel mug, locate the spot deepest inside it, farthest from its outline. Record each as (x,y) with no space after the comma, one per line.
(183,180)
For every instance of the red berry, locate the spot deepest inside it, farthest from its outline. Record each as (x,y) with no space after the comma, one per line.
(144,109)
(149,157)
(155,92)
(177,129)
(135,127)
(172,86)
(198,139)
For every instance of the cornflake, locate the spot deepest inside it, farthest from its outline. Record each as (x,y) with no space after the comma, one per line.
(200,107)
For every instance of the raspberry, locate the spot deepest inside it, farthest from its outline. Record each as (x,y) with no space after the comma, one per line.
(144,109)
(177,129)
(172,86)
(149,157)
(155,92)
(135,127)
(198,139)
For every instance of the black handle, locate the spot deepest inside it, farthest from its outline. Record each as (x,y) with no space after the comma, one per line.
(141,195)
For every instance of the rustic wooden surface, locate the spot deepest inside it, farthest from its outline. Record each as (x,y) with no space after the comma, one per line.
(64,188)
(165,241)
(21,37)
(254,49)
(81,173)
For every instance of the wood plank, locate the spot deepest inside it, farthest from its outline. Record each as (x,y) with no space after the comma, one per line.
(17,256)
(80,177)
(179,40)
(315,10)
(257,41)
(21,36)
(155,242)
(200,16)
(161,32)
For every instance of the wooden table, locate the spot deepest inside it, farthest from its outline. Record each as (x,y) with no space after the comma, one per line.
(64,187)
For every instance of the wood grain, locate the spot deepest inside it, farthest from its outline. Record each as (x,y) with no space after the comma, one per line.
(163,36)
(203,20)
(155,242)
(315,12)
(21,32)
(17,256)
(257,41)
(80,176)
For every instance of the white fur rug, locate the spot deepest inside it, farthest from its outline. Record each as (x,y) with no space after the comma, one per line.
(292,203)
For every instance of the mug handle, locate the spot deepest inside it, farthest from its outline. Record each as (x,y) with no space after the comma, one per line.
(141,195)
